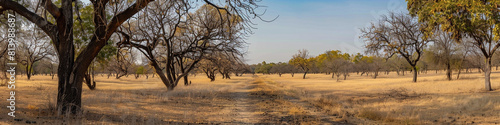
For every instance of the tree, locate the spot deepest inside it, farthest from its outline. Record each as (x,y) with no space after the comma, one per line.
(160,35)
(35,47)
(264,67)
(71,69)
(334,62)
(279,68)
(396,34)
(443,51)
(139,71)
(59,27)
(302,61)
(208,68)
(122,64)
(475,19)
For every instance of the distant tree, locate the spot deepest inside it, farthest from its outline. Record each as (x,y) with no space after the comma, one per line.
(209,68)
(264,67)
(139,71)
(334,62)
(478,20)
(302,61)
(35,46)
(279,68)
(465,50)
(122,63)
(443,51)
(396,34)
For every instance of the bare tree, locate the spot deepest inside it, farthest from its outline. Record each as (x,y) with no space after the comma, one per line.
(208,68)
(396,34)
(161,35)
(35,47)
(444,50)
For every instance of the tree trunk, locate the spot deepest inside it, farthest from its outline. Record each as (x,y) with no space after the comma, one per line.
(458,74)
(448,71)
(28,70)
(414,70)
(70,83)
(186,80)
(487,73)
(161,75)
(304,77)
(91,84)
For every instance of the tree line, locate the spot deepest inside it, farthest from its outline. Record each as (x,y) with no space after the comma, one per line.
(341,65)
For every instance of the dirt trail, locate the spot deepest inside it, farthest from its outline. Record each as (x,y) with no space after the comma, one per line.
(244,109)
(258,102)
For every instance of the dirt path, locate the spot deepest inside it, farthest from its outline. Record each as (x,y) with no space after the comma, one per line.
(244,109)
(258,102)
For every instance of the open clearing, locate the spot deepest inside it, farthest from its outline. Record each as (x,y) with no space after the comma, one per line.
(267,99)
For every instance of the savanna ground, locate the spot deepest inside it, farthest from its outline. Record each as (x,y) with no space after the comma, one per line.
(267,99)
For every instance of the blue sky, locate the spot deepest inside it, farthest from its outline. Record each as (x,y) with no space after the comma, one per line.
(315,25)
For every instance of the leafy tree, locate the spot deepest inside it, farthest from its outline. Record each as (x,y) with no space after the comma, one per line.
(334,62)
(476,19)
(302,61)
(264,67)
(279,68)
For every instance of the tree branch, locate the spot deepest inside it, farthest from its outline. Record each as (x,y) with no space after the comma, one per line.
(98,42)
(49,28)
(53,9)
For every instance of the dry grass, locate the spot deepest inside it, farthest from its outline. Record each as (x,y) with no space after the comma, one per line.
(389,99)
(393,99)
(127,101)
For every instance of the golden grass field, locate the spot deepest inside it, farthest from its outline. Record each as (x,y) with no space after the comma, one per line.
(267,99)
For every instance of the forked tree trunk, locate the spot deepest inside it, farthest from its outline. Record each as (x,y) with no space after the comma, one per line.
(161,75)
(28,70)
